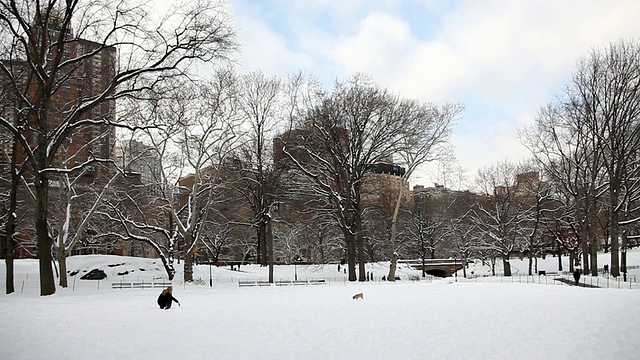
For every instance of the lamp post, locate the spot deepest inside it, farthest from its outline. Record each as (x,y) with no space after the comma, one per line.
(455,267)
(210,261)
(295,267)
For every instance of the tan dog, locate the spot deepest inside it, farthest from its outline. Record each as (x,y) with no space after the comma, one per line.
(358,296)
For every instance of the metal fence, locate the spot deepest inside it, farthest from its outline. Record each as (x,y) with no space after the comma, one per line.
(563,278)
(30,283)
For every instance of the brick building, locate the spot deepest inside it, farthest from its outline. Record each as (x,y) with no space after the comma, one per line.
(83,75)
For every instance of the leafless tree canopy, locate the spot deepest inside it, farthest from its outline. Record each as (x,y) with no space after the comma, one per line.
(45,47)
(588,144)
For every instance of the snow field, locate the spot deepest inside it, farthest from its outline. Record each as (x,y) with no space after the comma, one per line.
(439,319)
(398,321)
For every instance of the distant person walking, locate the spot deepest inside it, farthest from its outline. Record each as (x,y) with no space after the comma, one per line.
(166,298)
(577,270)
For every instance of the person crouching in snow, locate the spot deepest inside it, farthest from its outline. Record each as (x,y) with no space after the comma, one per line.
(166,298)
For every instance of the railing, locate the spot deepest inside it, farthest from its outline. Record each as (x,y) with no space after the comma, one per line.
(281,282)
(429,262)
(30,283)
(140,284)
(562,278)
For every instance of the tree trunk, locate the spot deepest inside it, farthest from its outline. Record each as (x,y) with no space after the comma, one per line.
(47,282)
(464,268)
(351,255)
(585,247)
(263,257)
(392,268)
(62,260)
(188,266)
(614,268)
(623,257)
(63,228)
(361,260)
(506,265)
(320,250)
(593,247)
(11,223)
(269,238)
(394,222)
(531,254)
(9,277)
(189,250)
(559,252)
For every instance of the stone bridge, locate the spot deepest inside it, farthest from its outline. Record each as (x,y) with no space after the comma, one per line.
(435,267)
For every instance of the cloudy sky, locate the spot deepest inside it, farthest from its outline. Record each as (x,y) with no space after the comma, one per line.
(502,60)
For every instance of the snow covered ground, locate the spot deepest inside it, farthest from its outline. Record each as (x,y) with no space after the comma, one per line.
(484,318)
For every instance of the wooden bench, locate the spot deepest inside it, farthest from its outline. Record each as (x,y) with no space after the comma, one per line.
(139,284)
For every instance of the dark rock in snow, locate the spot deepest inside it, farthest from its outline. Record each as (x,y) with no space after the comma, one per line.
(95,274)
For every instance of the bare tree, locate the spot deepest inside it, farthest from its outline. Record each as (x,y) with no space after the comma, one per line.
(47,43)
(589,140)
(355,126)
(501,216)
(605,96)
(424,140)
(73,196)
(136,217)
(15,171)
(563,147)
(378,207)
(203,123)
(261,107)
(459,234)
(216,239)
(538,195)
(427,225)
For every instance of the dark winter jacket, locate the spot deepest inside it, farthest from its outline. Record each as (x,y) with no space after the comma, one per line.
(165,299)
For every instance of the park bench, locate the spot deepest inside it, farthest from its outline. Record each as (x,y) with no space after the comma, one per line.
(139,284)
(300,282)
(253,283)
(280,282)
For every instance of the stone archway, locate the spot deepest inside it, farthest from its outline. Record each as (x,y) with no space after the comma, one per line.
(438,272)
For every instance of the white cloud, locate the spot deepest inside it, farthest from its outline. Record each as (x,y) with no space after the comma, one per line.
(378,36)
(263,49)
(502,59)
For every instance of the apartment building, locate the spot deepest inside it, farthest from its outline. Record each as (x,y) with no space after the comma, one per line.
(83,75)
